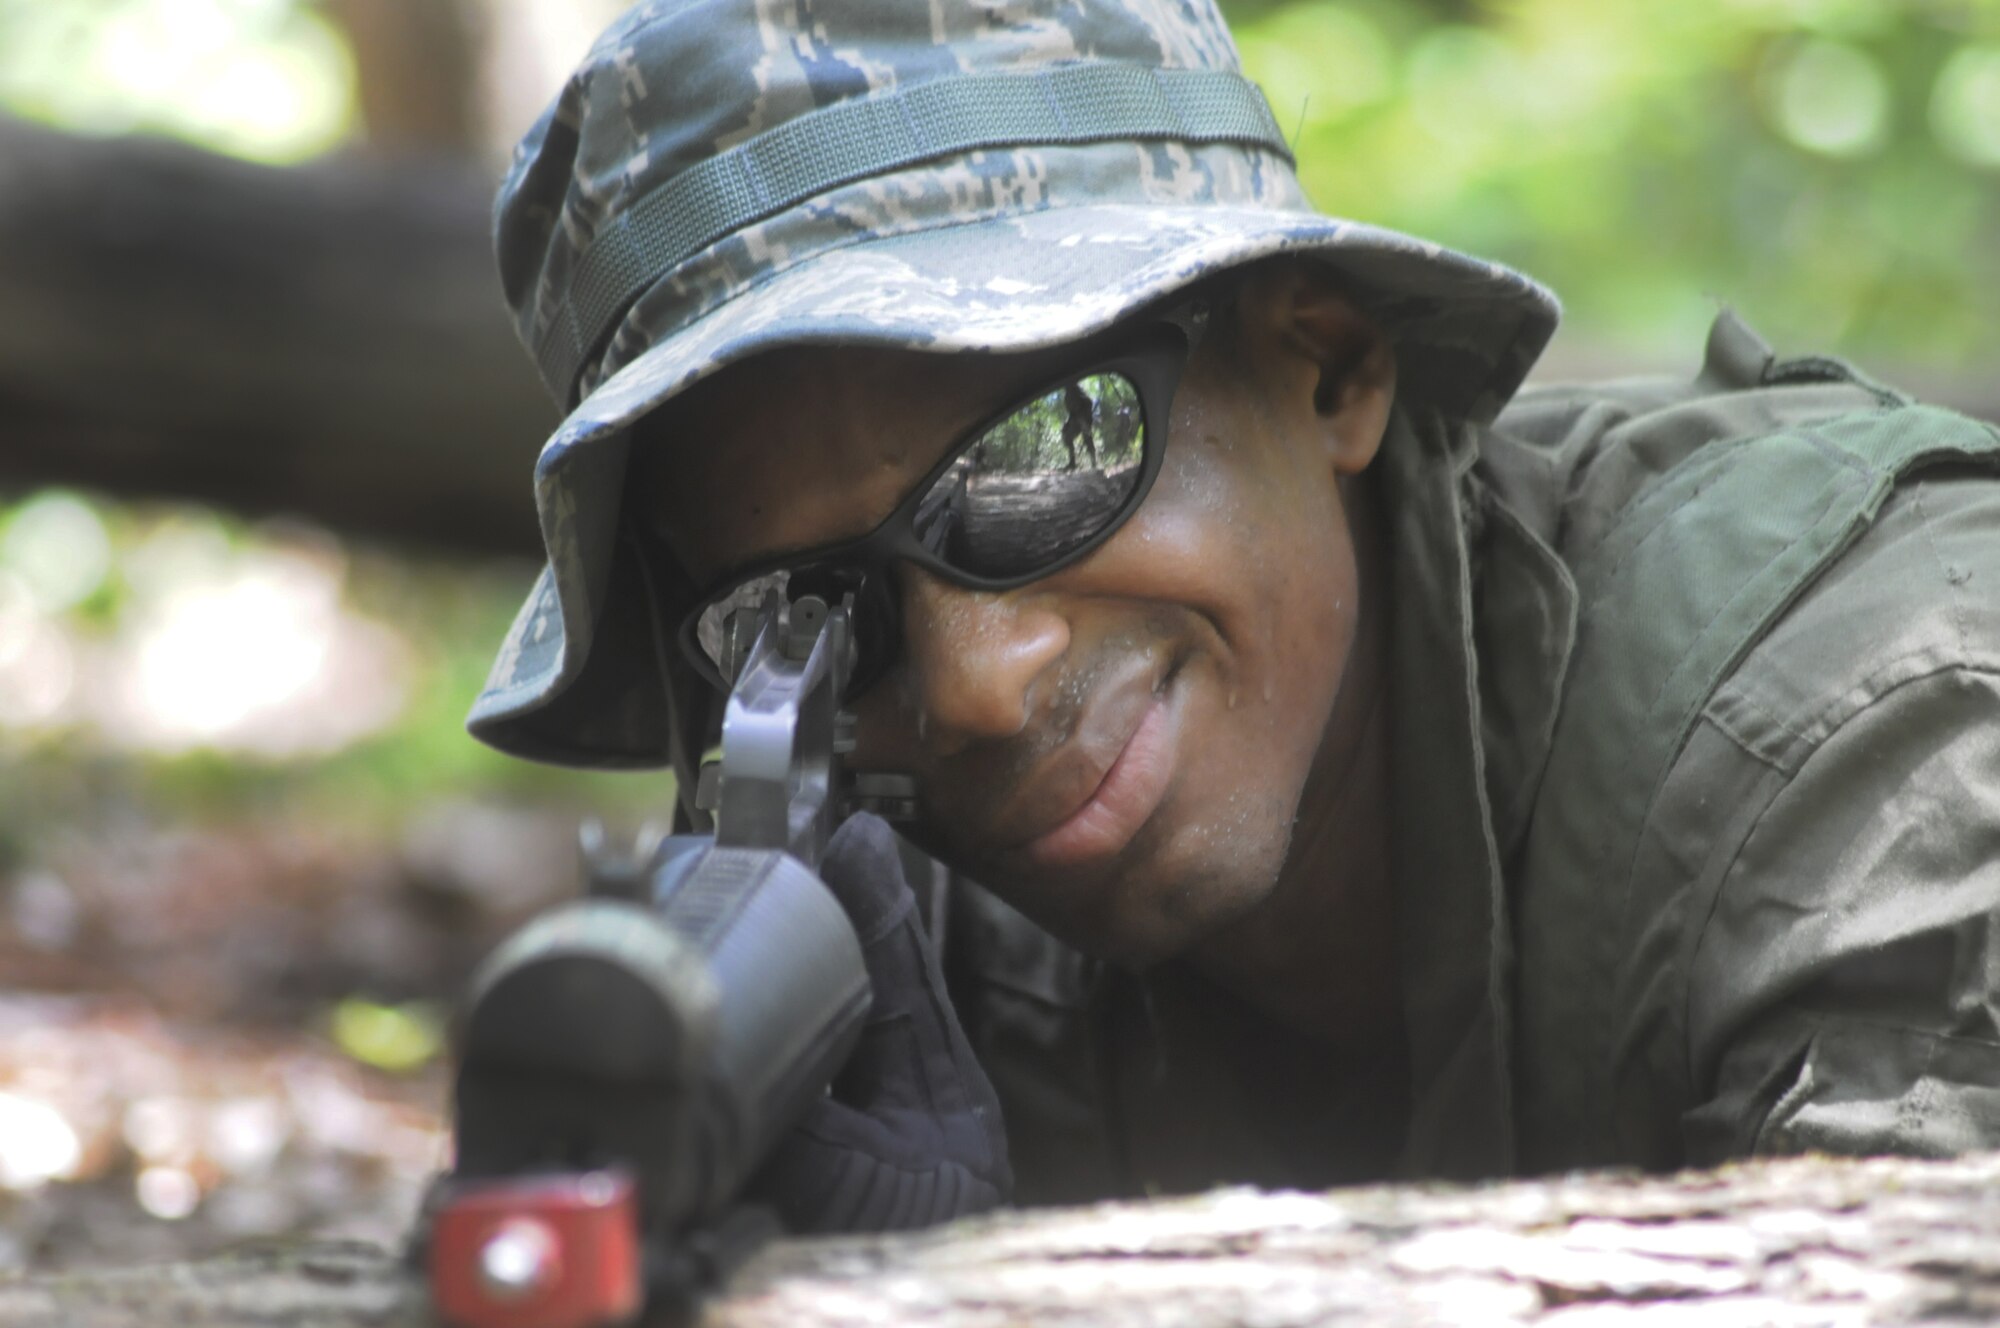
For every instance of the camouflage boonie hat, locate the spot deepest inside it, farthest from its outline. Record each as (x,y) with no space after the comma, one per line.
(721,177)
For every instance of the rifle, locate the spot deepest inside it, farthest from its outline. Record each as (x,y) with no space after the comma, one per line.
(627,1059)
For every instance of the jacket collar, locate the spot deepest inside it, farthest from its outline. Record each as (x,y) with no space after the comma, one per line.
(1483,615)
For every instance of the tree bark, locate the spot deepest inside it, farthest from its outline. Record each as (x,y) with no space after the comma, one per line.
(417,71)
(1802,1241)
(325,340)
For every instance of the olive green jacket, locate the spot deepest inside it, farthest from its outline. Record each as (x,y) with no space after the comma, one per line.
(1696,776)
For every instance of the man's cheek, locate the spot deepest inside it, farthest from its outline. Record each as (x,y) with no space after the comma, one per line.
(1079,918)
(1315,633)
(1198,508)
(1244,769)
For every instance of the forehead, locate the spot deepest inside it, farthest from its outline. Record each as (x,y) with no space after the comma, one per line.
(805,445)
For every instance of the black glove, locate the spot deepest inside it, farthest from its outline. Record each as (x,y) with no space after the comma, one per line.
(910,1133)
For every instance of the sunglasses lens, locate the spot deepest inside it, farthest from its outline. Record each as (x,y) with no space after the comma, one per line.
(1035,487)
(1039,484)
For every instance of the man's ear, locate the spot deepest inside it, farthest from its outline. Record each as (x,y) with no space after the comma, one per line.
(1345,361)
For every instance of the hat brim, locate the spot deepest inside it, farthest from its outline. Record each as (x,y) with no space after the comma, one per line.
(1467,331)
(1039,279)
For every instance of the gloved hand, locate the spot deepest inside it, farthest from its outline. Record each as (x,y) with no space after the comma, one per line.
(910,1133)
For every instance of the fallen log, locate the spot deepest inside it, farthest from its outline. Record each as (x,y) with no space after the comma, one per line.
(325,340)
(1800,1241)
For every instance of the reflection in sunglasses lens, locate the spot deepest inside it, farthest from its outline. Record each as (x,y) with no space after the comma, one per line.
(712,630)
(1040,483)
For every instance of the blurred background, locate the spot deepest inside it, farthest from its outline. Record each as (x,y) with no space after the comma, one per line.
(265,445)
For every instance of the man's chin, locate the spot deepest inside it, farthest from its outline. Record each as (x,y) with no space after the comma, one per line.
(1134,918)
(1135,952)
(1135,924)
(1123,944)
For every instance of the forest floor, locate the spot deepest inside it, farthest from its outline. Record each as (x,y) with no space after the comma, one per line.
(188,1016)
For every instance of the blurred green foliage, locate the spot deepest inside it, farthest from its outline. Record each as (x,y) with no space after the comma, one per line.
(128,632)
(396,1038)
(1830,166)
(271,80)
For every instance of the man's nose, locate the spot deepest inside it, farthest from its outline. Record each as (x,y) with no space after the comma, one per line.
(975,658)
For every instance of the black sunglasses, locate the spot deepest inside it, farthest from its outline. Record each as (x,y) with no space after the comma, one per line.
(1020,496)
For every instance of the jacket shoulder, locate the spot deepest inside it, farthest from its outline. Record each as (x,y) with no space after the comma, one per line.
(1724,546)
(1580,454)
(1815,995)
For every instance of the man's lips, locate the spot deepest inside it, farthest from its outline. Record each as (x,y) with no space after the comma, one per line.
(1125,798)
(1052,769)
